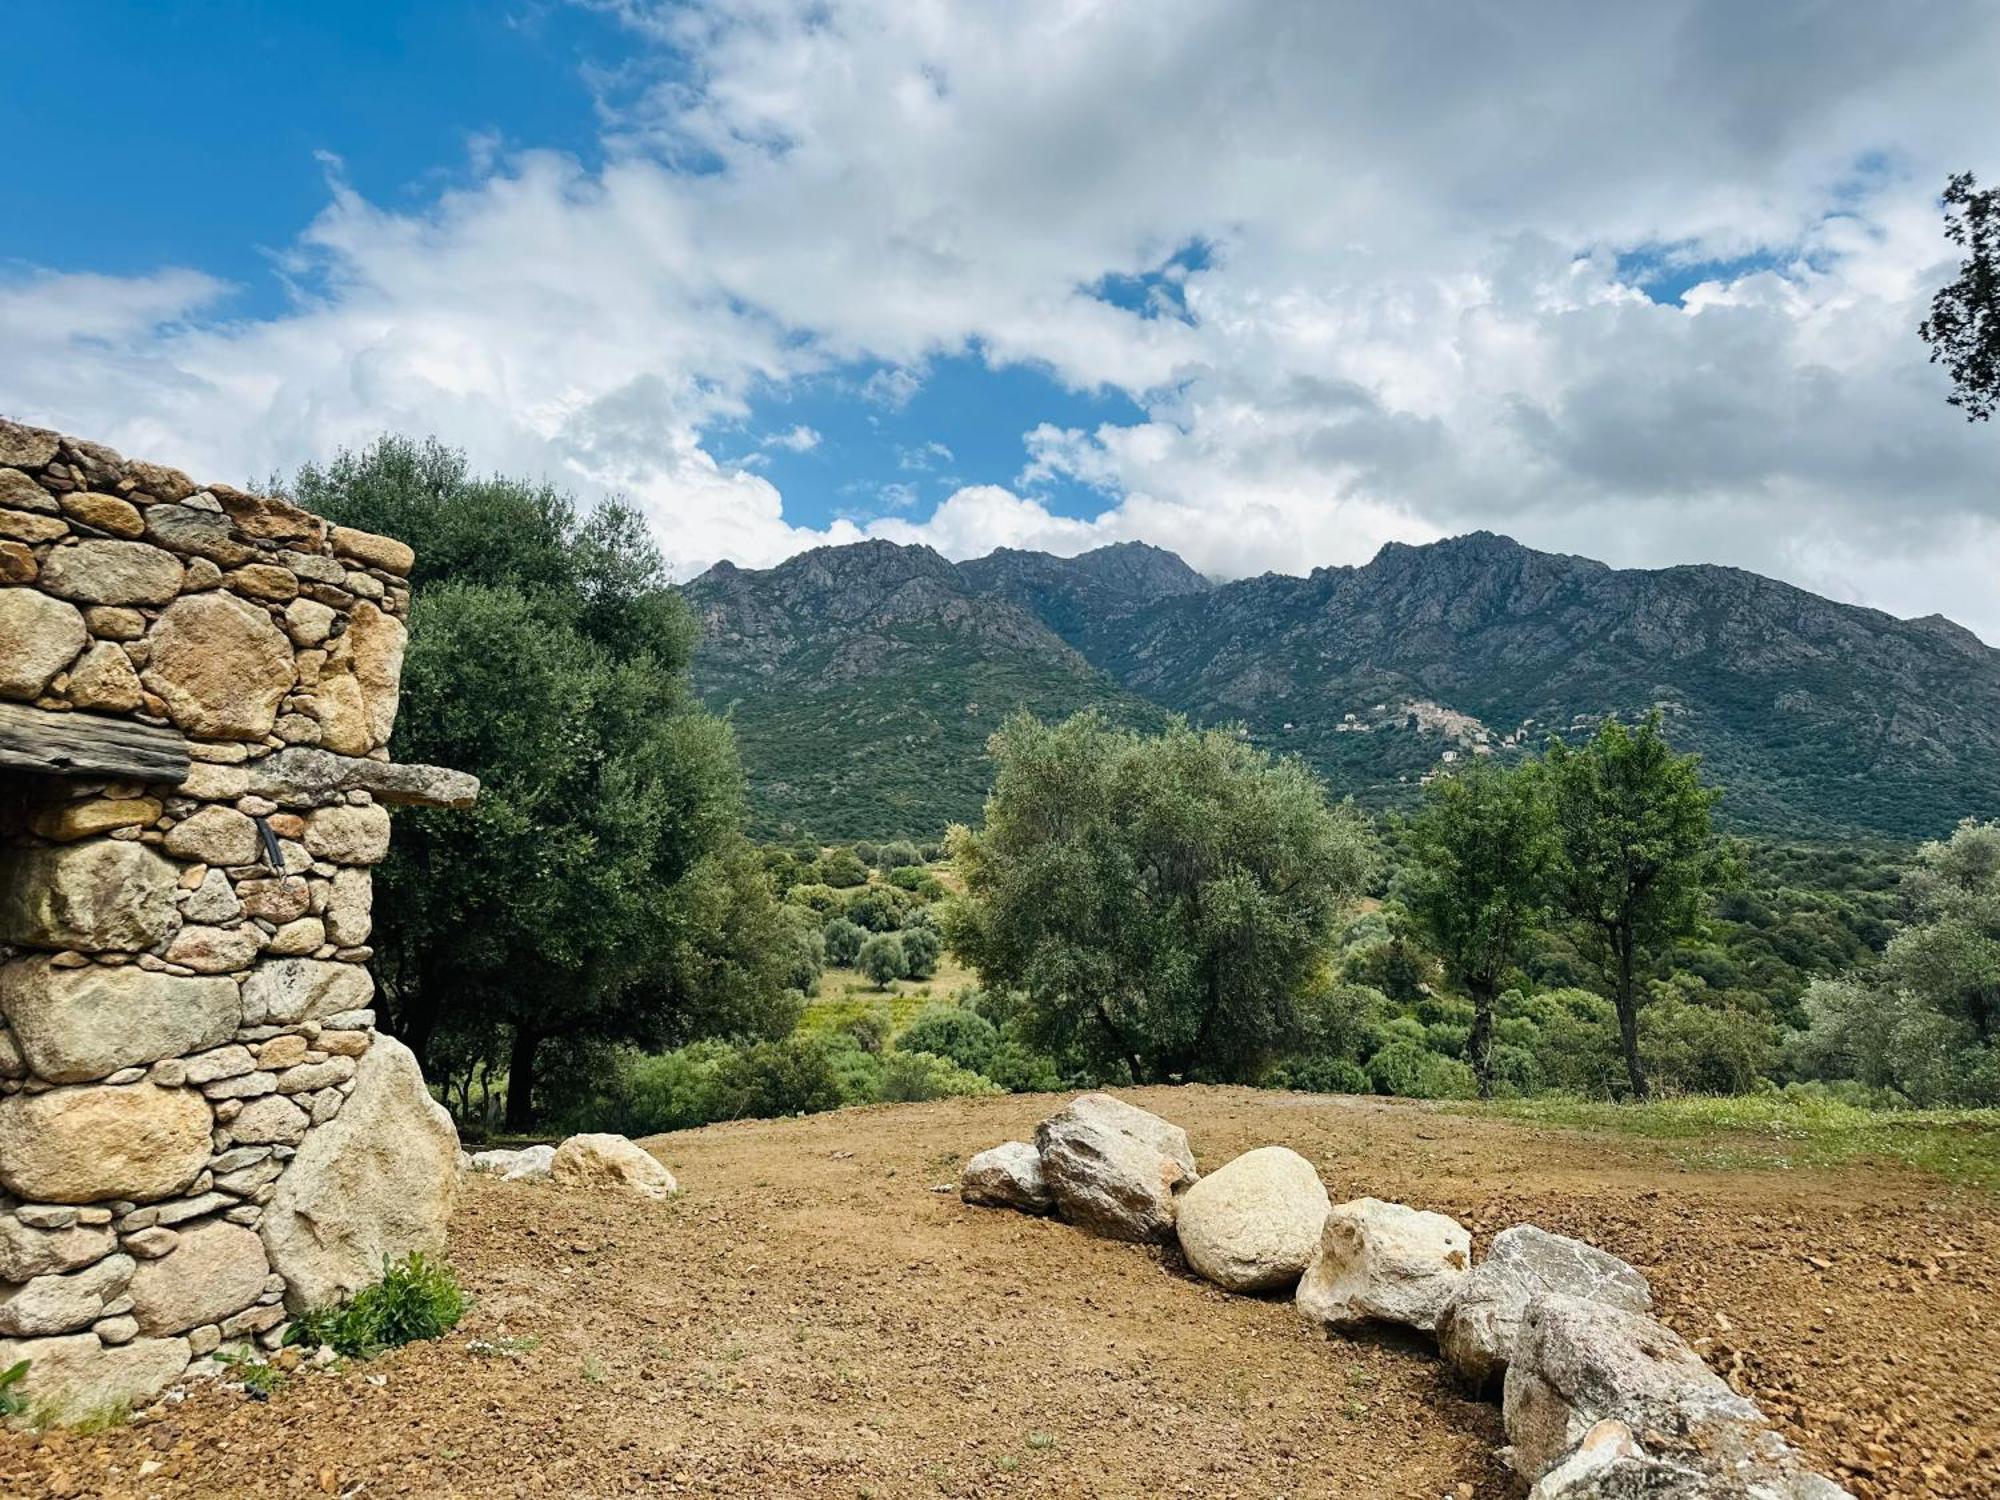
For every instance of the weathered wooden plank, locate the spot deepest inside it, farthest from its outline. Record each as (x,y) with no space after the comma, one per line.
(76,744)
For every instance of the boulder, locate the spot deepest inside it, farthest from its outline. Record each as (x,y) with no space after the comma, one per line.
(215,950)
(285,991)
(220,665)
(270,1120)
(111,573)
(214,1270)
(1477,1330)
(63,1303)
(1384,1263)
(106,513)
(75,1025)
(372,649)
(39,636)
(610,1161)
(214,900)
(377,1181)
(29,448)
(86,1144)
(1253,1224)
(78,1376)
(343,715)
(1007,1176)
(384,552)
(530,1164)
(101,896)
(1577,1363)
(1114,1170)
(349,835)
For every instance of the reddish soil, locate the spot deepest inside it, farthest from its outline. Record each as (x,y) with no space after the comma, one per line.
(811,1319)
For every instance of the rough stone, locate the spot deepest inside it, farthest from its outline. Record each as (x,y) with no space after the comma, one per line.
(66,822)
(97,572)
(295,938)
(17,563)
(264,581)
(277,900)
(158,480)
(1113,1169)
(89,1143)
(342,714)
(372,649)
(74,1025)
(216,836)
(216,950)
(150,1243)
(104,680)
(39,636)
(242,1086)
(97,897)
(282,1051)
(213,900)
(26,1253)
(202,533)
(64,1303)
(272,1120)
(28,448)
(286,991)
(106,513)
(1253,1224)
(349,835)
(1384,1263)
(19,492)
(1477,1330)
(216,1270)
(1007,1176)
(220,665)
(269,518)
(306,1077)
(31,528)
(378,1181)
(223,1062)
(383,552)
(603,1160)
(308,622)
(350,906)
(79,1376)
(300,777)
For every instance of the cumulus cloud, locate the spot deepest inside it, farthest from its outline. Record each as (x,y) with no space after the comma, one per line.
(1419,307)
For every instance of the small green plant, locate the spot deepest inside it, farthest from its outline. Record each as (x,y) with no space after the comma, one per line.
(417,1298)
(258,1377)
(12,1402)
(1041,1440)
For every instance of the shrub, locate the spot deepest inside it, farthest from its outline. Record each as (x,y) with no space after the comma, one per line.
(883,908)
(912,1077)
(901,852)
(1701,1049)
(821,899)
(840,869)
(922,948)
(1576,1043)
(1410,1070)
(870,1030)
(417,1298)
(791,1077)
(843,942)
(916,880)
(1322,1075)
(866,852)
(951,1031)
(882,959)
(671,1090)
(1019,1069)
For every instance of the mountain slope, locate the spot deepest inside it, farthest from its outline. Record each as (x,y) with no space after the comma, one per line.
(875,666)
(863,682)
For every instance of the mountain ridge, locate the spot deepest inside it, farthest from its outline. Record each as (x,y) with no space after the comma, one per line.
(1816,716)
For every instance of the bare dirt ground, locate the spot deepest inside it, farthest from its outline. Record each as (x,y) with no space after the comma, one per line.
(811,1319)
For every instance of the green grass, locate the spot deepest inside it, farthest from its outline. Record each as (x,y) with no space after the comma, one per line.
(847,994)
(1772,1131)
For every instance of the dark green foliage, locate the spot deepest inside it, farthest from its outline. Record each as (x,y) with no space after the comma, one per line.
(1410,1069)
(1963,328)
(900,853)
(884,908)
(917,880)
(600,889)
(951,1031)
(922,948)
(1634,856)
(911,1077)
(843,941)
(789,1077)
(882,959)
(1693,1048)
(842,869)
(1159,903)
(417,1298)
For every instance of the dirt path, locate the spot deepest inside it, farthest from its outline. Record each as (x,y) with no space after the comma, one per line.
(809,1319)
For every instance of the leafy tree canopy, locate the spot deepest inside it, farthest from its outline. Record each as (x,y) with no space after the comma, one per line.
(1963,329)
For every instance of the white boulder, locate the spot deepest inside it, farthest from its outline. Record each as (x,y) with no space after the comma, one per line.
(1384,1263)
(1113,1169)
(1477,1330)
(1008,1176)
(1253,1224)
(610,1161)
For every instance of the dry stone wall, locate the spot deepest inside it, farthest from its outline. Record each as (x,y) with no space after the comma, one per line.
(200,1129)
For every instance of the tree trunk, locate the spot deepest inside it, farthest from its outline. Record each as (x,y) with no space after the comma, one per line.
(1628,1021)
(521,1081)
(1480,1044)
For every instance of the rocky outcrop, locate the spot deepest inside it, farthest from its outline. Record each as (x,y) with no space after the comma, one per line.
(1478,1328)
(1384,1263)
(1113,1169)
(1253,1224)
(610,1161)
(1007,1176)
(375,1183)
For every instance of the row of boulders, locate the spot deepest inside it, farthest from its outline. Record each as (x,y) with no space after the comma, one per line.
(1601,1401)
(598,1160)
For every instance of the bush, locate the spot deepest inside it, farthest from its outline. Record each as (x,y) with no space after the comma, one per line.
(843,942)
(1322,1075)
(892,856)
(417,1298)
(883,908)
(1701,1049)
(916,880)
(866,852)
(870,1030)
(912,1077)
(1576,1043)
(823,900)
(1408,1069)
(951,1031)
(922,948)
(670,1090)
(882,959)
(1019,1069)
(791,1077)
(840,869)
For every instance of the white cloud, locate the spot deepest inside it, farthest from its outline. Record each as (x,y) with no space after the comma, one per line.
(1411,320)
(798,439)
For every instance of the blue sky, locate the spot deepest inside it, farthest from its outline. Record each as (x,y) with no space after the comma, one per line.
(1268,282)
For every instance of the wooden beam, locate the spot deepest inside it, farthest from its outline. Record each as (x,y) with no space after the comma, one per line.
(75,744)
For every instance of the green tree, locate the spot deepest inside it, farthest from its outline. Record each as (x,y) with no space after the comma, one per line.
(600,890)
(882,959)
(922,948)
(843,941)
(1482,847)
(1635,854)
(1159,903)
(1963,329)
